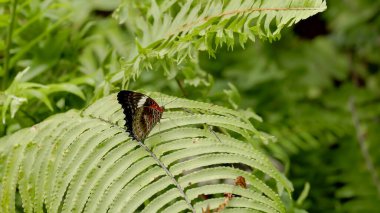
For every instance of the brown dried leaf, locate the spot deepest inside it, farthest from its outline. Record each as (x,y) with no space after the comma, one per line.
(240,181)
(207,210)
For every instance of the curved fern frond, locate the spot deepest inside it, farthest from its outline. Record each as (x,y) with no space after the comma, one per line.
(20,91)
(171,32)
(84,161)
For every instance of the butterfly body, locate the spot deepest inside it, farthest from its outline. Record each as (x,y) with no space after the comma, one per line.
(141,112)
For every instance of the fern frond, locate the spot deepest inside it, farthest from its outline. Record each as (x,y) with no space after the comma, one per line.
(21,91)
(171,32)
(85,161)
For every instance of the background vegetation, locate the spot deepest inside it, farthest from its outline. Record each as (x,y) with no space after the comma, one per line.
(317,88)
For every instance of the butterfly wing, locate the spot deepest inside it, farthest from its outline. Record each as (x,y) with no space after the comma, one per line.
(129,101)
(140,118)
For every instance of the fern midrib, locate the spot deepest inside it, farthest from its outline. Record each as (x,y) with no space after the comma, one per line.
(235,12)
(159,162)
(163,166)
(200,21)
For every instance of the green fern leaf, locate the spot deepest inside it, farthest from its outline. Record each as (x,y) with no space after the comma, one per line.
(85,161)
(171,32)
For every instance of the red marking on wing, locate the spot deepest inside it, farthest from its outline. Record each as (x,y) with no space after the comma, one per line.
(150,119)
(156,107)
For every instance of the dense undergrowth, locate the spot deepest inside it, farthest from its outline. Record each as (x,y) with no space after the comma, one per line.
(314,84)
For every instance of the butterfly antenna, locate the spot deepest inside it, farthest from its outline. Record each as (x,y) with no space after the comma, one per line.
(171,101)
(189,111)
(213,132)
(209,127)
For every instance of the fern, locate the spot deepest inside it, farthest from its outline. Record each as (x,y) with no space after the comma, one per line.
(85,161)
(20,91)
(170,33)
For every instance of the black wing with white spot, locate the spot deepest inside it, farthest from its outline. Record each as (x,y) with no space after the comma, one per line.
(130,102)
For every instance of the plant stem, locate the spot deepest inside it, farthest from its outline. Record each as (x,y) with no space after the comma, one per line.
(181,87)
(163,166)
(363,146)
(8,44)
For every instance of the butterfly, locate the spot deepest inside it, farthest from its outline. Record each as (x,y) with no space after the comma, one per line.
(141,112)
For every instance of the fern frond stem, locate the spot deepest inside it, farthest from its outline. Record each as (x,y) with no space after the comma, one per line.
(4,132)
(8,44)
(233,12)
(179,83)
(163,166)
(159,162)
(29,116)
(363,145)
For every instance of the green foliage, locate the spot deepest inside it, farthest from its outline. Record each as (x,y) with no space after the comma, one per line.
(63,54)
(78,161)
(68,49)
(304,88)
(84,160)
(170,33)
(317,90)
(20,91)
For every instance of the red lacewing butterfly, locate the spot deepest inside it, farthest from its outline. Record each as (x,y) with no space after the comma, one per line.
(141,113)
